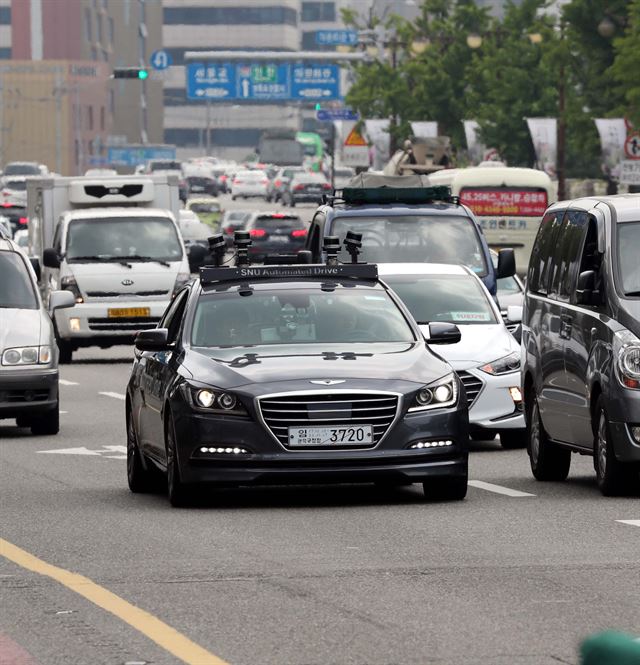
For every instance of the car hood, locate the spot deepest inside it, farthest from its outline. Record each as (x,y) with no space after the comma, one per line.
(479,344)
(629,315)
(108,277)
(358,365)
(23,327)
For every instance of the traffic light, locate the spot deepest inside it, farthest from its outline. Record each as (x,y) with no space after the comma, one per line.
(130,73)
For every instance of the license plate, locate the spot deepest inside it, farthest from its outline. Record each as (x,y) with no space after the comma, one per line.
(281,239)
(121,312)
(197,188)
(359,435)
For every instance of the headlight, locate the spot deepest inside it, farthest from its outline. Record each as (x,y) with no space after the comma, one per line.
(182,279)
(626,348)
(441,393)
(510,363)
(215,401)
(27,355)
(69,284)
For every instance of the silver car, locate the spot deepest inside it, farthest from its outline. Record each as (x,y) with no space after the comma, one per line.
(28,351)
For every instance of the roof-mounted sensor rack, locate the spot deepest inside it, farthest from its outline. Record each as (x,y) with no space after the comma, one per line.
(363,271)
(408,195)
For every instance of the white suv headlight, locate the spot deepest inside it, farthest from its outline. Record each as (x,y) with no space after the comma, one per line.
(504,365)
(436,395)
(27,355)
(626,350)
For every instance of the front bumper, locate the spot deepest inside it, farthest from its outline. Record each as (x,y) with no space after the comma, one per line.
(623,408)
(268,462)
(494,408)
(93,326)
(27,391)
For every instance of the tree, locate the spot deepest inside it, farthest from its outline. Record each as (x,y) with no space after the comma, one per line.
(626,66)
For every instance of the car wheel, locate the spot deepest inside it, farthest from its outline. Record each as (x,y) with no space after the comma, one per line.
(614,478)
(140,480)
(548,461)
(446,489)
(233,198)
(48,423)
(65,352)
(511,439)
(178,493)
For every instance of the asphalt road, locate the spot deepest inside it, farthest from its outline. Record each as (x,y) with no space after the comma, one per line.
(517,574)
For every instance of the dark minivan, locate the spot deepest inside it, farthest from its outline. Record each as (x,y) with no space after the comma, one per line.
(581,341)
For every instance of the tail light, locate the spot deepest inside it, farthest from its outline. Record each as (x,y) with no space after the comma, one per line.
(223,178)
(237,182)
(326,185)
(278,183)
(299,187)
(228,230)
(23,220)
(299,233)
(257,233)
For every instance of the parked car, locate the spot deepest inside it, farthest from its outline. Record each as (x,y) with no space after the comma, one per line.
(28,351)
(274,233)
(581,341)
(305,187)
(487,357)
(232,221)
(249,184)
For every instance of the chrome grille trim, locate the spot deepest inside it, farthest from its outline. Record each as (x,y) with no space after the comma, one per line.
(302,398)
(130,294)
(123,324)
(473,386)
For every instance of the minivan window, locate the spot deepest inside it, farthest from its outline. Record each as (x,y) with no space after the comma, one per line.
(16,288)
(117,238)
(567,255)
(450,239)
(628,264)
(541,255)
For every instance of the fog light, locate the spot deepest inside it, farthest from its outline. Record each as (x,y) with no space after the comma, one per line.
(635,432)
(516,394)
(74,325)
(205,398)
(441,443)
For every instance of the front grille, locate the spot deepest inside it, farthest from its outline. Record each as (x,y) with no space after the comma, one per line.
(118,294)
(23,396)
(326,409)
(127,324)
(472,385)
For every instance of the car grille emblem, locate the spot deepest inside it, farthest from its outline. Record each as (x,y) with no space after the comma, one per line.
(127,282)
(327,382)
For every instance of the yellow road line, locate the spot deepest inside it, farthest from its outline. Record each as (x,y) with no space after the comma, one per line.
(157,631)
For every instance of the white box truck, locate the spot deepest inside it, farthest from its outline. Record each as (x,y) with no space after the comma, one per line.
(114,243)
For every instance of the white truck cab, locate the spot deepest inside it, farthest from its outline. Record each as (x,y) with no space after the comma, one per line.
(122,257)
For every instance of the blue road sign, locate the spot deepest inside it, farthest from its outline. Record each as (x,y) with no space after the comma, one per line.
(211,81)
(161,60)
(329,115)
(263,82)
(315,82)
(336,37)
(132,155)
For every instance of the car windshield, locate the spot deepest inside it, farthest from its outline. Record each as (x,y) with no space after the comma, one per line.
(276,221)
(152,238)
(415,239)
(17,185)
(298,316)
(21,169)
(16,288)
(455,299)
(628,265)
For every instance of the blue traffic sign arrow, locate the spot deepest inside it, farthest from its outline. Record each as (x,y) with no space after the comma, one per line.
(329,115)
(161,60)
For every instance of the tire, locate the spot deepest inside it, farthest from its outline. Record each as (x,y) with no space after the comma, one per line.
(548,461)
(446,489)
(65,352)
(293,203)
(233,198)
(484,435)
(179,494)
(511,439)
(48,423)
(140,480)
(614,478)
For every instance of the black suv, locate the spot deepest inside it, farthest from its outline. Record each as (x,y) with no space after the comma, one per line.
(581,341)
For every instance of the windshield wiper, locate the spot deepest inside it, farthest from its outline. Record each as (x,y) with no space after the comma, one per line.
(95,257)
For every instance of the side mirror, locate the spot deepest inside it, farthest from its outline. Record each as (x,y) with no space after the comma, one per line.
(585,288)
(35,264)
(50,258)
(444,333)
(506,263)
(61,300)
(156,339)
(514,313)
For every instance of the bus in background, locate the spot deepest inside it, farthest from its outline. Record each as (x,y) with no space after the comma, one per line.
(313,150)
(509,203)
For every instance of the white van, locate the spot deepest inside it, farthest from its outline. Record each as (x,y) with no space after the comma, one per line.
(509,203)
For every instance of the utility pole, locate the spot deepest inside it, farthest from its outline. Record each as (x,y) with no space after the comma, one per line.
(208,128)
(561,137)
(57,91)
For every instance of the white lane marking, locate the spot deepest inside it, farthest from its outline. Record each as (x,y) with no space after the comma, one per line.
(64,382)
(106,451)
(71,451)
(114,395)
(631,522)
(498,489)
